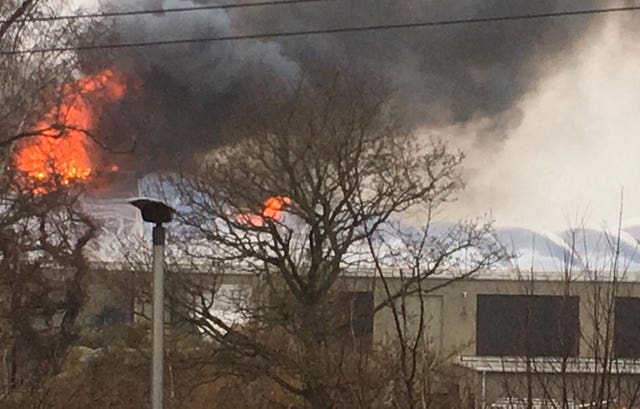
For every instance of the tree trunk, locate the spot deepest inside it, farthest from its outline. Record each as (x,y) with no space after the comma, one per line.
(317,393)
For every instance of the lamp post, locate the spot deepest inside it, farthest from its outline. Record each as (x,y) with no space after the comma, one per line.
(157,213)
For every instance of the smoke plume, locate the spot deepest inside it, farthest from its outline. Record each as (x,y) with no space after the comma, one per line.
(441,75)
(573,159)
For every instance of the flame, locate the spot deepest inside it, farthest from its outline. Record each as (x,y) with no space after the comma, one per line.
(272,208)
(61,152)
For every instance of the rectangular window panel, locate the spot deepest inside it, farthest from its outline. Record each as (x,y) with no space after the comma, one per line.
(627,327)
(527,325)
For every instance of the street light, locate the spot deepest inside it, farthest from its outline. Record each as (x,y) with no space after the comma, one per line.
(157,213)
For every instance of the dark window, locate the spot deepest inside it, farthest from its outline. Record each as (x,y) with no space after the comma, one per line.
(112,315)
(355,315)
(627,327)
(527,325)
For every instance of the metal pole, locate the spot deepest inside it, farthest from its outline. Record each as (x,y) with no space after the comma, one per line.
(158,316)
(484,389)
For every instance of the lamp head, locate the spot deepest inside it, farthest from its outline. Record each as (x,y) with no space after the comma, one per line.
(153,211)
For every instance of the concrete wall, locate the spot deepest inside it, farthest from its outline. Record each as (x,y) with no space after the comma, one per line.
(451,328)
(450,311)
(450,318)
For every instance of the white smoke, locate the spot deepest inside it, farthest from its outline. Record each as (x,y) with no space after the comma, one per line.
(577,147)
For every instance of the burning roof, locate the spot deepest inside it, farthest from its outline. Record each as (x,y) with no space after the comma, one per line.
(584,253)
(63,151)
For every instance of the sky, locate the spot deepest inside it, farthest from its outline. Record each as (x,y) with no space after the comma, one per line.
(575,153)
(551,133)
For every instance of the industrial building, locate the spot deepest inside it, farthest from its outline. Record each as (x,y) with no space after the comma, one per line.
(550,325)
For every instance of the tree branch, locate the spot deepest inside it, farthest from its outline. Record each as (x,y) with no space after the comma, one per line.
(16,15)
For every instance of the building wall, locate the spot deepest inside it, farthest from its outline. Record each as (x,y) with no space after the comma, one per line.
(450,311)
(451,328)
(450,319)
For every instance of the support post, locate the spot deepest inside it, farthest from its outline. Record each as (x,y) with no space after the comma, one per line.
(158,317)
(484,390)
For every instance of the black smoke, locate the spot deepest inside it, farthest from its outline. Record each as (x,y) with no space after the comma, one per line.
(440,75)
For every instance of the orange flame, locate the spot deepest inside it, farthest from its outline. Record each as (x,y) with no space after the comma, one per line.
(61,152)
(272,208)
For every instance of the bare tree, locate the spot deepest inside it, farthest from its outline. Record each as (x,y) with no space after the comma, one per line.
(423,369)
(44,231)
(595,365)
(307,199)
(44,269)
(30,81)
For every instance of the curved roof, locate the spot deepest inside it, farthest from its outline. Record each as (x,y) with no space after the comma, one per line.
(586,252)
(601,250)
(535,250)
